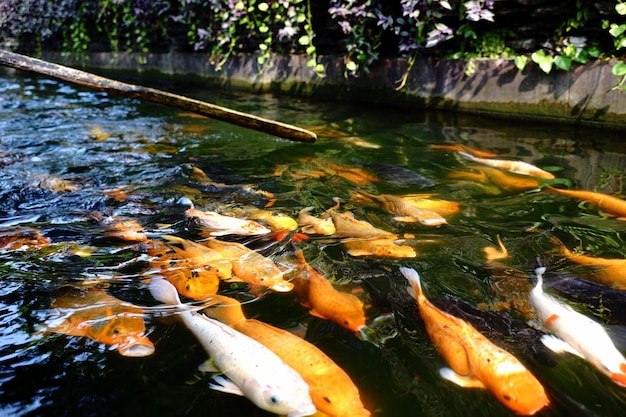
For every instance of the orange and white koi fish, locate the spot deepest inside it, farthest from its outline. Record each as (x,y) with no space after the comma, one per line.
(606,271)
(220,225)
(517,167)
(383,247)
(313,225)
(474,360)
(576,333)
(317,293)
(331,389)
(91,312)
(251,266)
(457,147)
(404,210)
(22,239)
(611,205)
(252,370)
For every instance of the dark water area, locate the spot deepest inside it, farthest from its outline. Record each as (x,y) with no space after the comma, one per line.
(70,158)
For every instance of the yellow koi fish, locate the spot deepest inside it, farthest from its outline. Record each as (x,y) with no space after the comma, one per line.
(611,205)
(474,360)
(576,333)
(252,370)
(347,226)
(315,226)
(250,266)
(383,247)
(317,293)
(517,167)
(91,312)
(607,271)
(330,387)
(402,209)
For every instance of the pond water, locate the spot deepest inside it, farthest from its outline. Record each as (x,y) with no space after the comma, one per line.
(73,161)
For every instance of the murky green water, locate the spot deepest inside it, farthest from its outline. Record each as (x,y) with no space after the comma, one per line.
(63,149)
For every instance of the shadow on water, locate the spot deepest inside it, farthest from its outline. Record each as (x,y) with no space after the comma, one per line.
(74,162)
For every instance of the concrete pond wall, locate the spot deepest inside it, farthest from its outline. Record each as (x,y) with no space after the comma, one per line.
(496,87)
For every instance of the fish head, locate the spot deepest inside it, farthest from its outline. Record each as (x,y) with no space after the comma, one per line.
(521,392)
(342,400)
(125,331)
(352,316)
(290,398)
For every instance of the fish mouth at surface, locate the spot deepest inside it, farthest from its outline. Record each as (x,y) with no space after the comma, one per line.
(137,349)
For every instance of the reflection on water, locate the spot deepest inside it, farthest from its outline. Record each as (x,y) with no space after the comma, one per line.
(74,163)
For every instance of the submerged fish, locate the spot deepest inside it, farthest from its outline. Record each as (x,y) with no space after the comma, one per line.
(330,387)
(611,205)
(405,210)
(220,225)
(457,147)
(502,179)
(250,266)
(384,247)
(91,312)
(399,175)
(252,370)
(347,226)
(518,167)
(313,225)
(576,333)
(606,271)
(474,360)
(317,293)
(22,239)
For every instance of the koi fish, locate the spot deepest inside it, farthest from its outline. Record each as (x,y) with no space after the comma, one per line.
(493,254)
(474,360)
(315,226)
(91,312)
(611,205)
(347,226)
(330,387)
(517,167)
(220,225)
(576,333)
(275,220)
(317,293)
(457,147)
(609,272)
(23,239)
(194,270)
(127,230)
(402,209)
(252,370)
(251,266)
(383,247)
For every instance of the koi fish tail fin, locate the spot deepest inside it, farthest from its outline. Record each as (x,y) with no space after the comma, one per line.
(539,273)
(163,291)
(620,377)
(173,239)
(414,279)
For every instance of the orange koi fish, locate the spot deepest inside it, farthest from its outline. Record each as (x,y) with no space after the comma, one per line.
(23,239)
(607,271)
(402,209)
(576,333)
(91,312)
(317,293)
(219,225)
(383,247)
(352,174)
(457,147)
(474,360)
(517,167)
(315,226)
(194,270)
(611,205)
(493,254)
(250,266)
(128,230)
(274,220)
(331,389)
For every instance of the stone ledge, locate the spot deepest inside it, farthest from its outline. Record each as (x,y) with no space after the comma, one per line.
(581,96)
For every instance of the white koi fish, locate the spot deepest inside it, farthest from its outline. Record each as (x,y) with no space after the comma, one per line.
(576,333)
(220,225)
(517,167)
(253,370)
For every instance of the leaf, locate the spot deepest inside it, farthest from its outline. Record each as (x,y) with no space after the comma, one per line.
(310,50)
(445,4)
(263,7)
(520,62)
(544,61)
(563,62)
(264,28)
(617,30)
(619,69)
(304,40)
(351,66)
(620,8)
(319,68)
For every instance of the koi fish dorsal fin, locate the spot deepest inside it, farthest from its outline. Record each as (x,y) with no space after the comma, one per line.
(559,346)
(460,380)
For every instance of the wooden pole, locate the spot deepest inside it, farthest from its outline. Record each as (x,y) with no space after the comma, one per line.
(85,79)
